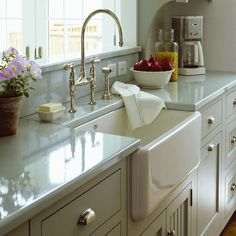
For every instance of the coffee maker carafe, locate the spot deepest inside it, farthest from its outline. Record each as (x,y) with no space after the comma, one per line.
(189,34)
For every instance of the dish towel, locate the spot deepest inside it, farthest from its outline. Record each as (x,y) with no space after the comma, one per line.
(142,108)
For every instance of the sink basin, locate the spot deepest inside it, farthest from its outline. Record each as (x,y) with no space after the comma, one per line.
(169,151)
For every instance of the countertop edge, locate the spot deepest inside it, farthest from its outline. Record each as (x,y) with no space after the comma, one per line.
(40,204)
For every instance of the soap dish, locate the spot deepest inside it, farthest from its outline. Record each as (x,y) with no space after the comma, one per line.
(50,116)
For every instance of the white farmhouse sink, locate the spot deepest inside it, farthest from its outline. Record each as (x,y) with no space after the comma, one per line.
(169,151)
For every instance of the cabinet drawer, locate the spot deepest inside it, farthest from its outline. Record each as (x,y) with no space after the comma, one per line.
(231,103)
(230,192)
(230,143)
(104,199)
(211,118)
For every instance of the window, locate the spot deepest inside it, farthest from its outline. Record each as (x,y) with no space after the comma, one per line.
(65,19)
(55,25)
(11,24)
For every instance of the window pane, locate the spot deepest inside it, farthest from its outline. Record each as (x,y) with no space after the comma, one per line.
(3,42)
(56,8)
(91,5)
(73,31)
(93,37)
(3,8)
(56,40)
(73,9)
(14,8)
(14,34)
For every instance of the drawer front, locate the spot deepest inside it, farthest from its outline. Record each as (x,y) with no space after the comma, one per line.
(230,192)
(230,145)
(104,199)
(211,118)
(231,103)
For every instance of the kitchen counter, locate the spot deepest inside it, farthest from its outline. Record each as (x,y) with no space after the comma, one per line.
(44,162)
(190,93)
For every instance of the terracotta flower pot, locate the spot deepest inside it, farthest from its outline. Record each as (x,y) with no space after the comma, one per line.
(9,115)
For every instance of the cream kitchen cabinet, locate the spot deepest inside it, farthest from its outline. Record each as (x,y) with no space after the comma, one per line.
(229,180)
(230,191)
(209,180)
(176,215)
(158,227)
(22,230)
(180,217)
(96,209)
(210,170)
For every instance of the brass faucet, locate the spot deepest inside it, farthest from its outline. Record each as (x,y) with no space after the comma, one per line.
(83,80)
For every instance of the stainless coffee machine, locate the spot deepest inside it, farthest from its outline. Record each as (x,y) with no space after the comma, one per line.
(188,35)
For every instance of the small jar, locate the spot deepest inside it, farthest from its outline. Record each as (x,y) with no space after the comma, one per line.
(167,49)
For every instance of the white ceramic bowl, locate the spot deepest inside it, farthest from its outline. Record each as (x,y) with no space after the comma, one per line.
(152,79)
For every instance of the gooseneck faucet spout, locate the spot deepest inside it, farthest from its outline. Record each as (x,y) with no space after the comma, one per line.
(83,80)
(113,15)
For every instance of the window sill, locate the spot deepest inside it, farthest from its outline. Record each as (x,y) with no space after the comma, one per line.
(105,55)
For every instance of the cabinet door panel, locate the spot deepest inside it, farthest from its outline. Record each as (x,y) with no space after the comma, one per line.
(104,199)
(158,227)
(179,213)
(208,217)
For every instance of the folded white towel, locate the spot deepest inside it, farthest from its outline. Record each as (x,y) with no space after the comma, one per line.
(142,108)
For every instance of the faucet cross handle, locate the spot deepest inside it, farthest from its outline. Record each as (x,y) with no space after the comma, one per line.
(92,67)
(95,60)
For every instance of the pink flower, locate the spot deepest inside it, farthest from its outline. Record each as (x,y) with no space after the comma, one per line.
(21,60)
(15,67)
(10,52)
(35,70)
(5,74)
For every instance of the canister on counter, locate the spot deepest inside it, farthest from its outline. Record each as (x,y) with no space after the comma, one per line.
(167,49)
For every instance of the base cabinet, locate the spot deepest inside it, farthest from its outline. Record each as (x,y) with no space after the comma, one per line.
(97,209)
(208,215)
(22,230)
(230,192)
(178,219)
(158,227)
(179,214)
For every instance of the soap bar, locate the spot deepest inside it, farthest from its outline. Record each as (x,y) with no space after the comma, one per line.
(50,107)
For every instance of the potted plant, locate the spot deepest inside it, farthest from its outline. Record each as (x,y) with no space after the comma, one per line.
(16,74)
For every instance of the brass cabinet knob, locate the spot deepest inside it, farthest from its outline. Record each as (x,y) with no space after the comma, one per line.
(87,217)
(210,147)
(233,187)
(211,120)
(234,101)
(171,233)
(233,140)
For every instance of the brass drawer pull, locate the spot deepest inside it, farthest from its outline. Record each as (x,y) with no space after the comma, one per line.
(233,187)
(171,233)
(87,217)
(234,101)
(210,147)
(233,140)
(211,120)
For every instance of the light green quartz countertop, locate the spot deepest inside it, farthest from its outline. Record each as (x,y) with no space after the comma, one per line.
(43,162)
(190,93)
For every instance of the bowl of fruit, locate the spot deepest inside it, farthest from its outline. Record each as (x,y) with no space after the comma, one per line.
(152,74)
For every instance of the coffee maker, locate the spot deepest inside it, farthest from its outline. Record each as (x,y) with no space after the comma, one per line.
(189,35)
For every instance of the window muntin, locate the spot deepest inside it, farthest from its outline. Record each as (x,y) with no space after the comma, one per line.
(55,25)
